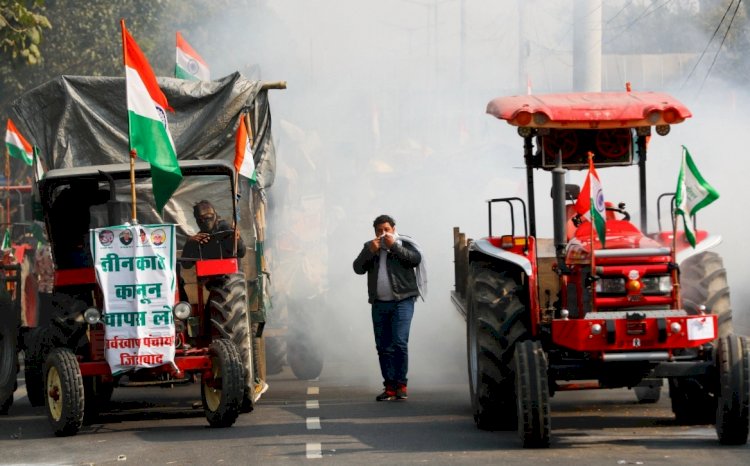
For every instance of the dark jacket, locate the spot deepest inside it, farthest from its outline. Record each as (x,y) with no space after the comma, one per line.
(400,263)
(218,247)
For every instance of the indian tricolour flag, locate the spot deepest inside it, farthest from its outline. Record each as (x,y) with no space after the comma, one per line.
(147,119)
(590,203)
(693,193)
(18,147)
(243,152)
(190,65)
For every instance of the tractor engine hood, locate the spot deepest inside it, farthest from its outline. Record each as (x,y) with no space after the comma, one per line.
(621,234)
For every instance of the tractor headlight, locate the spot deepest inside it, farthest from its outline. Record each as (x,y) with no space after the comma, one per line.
(182,310)
(92,316)
(657,285)
(610,286)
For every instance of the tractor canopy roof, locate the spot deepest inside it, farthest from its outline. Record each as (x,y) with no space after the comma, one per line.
(76,199)
(589,110)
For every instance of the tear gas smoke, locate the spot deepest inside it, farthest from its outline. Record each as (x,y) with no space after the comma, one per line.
(385,114)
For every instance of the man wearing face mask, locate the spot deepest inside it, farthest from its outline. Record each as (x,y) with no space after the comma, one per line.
(214,239)
(394,266)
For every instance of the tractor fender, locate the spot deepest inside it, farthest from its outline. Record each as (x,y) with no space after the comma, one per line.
(711,241)
(485,247)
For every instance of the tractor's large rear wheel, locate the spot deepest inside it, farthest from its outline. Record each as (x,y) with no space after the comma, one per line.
(97,394)
(648,391)
(64,393)
(227,302)
(734,392)
(532,394)
(275,354)
(9,321)
(703,280)
(37,344)
(303,348)
(496,321)
(222,392)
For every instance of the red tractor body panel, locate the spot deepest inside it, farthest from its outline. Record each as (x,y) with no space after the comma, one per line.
(619,333)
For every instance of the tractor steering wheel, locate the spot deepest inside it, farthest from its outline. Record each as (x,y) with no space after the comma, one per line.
(221,234)
(620,210)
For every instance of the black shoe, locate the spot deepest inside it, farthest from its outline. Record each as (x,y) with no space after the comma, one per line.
(387,395)
(401,393)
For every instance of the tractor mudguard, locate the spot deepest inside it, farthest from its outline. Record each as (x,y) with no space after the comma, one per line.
(710,242)
(485,247)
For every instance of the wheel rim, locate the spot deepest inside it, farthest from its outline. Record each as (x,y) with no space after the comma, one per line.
(211,393)
(54,394)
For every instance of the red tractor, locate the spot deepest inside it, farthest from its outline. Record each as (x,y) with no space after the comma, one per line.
(540,319)
(18,310)
(66,367)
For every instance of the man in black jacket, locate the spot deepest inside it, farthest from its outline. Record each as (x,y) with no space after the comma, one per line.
(389,263)
(215,238)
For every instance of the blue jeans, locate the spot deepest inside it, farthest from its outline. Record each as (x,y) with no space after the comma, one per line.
(391,321)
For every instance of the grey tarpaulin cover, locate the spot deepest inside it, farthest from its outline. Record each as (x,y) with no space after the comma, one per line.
(83,120)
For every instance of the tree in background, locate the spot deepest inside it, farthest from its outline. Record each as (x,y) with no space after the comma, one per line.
(21,29)
(83,38)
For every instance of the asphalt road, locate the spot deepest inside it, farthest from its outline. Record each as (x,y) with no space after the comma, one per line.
(335,420)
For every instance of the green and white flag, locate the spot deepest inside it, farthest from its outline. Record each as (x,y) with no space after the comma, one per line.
(18,147)
(6,240)
(692,194)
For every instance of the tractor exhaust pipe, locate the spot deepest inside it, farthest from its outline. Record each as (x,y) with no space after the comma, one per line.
(558,209)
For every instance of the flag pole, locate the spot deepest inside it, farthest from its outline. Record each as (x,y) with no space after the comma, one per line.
(7,184)
(132,186)
(675,271)
(134,219)
(591,234)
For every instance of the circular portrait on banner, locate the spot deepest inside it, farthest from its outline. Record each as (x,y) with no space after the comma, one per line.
(106,237)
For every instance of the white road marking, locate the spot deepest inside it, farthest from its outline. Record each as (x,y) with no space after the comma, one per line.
(313,390)
(312,404)
(313,423)
(314,450)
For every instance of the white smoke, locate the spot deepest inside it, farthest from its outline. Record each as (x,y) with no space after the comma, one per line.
(385,114)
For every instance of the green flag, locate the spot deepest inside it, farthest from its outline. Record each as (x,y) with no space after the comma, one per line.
(692,194)
(6,240)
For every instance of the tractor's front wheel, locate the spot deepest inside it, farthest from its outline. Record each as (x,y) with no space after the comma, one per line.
(227,302)
(496,321)
(64,392)
(532,394)
(222,392)
(734,392)
(693,403)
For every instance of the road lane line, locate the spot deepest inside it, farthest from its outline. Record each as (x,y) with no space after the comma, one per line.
(314,450)
(313,423)
(313,390)
(312,404)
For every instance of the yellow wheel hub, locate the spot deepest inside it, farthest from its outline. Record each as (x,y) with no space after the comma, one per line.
(54,393)
(213,394)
